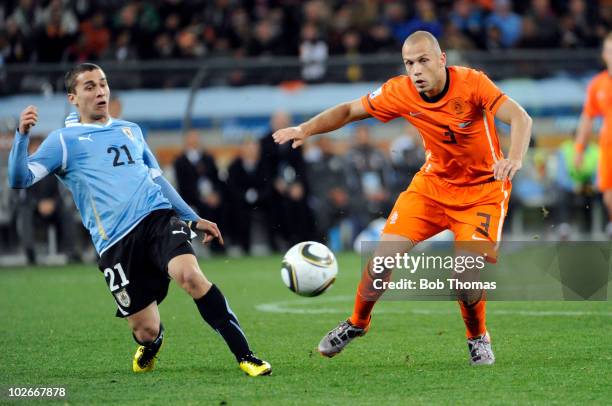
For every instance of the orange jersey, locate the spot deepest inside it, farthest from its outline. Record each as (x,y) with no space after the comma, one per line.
(599,103)
(457,126)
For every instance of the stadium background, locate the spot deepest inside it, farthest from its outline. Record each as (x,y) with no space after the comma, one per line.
(224,68)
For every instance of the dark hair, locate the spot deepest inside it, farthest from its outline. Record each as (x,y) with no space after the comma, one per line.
(70,77)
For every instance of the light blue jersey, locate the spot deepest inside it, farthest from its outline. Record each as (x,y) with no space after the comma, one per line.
(109,169)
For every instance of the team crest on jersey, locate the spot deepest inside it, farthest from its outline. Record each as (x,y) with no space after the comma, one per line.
(123,298)
(376,93)
(128,132)
(458,105)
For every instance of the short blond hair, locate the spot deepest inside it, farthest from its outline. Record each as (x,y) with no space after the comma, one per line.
(423,35)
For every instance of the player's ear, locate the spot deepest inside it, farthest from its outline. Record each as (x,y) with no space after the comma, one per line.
(443,58)
(72,98)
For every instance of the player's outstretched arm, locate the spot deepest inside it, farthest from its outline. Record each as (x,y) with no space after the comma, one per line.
(585,127)
(24,171)
(510,112)
(329,120)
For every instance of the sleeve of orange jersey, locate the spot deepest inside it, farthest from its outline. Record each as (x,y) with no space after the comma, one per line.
(591,109)
(381,103)
(486,94)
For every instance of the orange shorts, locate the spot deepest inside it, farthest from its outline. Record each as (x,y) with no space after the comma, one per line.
(472,213)
(605,168)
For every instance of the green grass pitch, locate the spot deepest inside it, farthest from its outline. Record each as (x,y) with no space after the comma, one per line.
(59,329)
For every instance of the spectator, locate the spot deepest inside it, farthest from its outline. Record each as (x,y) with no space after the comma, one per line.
(250,196)
(265,41)
(368,178)
(68,20)
(20,48)
(313,54)
(52,38)
(379,39)
(506,21)
(40,207)
(198,182)
(286,169)
(577,28)
(122,50)
(189,45)
(395,19)
(96,35)
(27,16)
(329,197)
(455,39)
(545,22)
(425,19)
(466,16)
(351,48)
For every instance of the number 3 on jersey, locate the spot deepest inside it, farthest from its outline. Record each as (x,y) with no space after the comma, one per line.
(109,275)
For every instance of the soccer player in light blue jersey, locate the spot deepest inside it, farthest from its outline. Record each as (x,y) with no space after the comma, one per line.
(140,226)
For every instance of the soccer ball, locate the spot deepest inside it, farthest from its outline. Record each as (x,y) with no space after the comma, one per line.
(309,268)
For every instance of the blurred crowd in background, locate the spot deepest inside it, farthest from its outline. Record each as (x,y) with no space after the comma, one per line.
(268,197)
(82,30)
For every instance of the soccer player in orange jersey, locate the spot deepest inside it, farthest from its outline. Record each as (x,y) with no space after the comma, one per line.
(464,184)
(599,103)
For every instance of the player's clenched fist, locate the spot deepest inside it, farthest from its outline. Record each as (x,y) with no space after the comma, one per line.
(28,119)
(291,133)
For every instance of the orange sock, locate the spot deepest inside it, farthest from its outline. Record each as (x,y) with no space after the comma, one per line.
(365,299)
(474,316)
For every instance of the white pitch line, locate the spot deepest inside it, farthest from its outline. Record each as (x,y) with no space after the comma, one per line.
(301,306)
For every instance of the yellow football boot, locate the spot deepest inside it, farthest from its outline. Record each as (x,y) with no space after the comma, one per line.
(253,366)
(144,359)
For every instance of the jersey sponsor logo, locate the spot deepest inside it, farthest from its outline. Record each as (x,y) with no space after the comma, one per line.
(123,298)
(88,138)
(128,132)
(393,217)
(375,93)
(475,237)
(181,231)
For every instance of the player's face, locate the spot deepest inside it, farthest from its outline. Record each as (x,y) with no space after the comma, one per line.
(425,67)
(606,53)
(91,95)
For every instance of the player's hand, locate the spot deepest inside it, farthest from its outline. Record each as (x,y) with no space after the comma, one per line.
(295,134)
(506,168)
(211,231)
(578,159)
(28,119)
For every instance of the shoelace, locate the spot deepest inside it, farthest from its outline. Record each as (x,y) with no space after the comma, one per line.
(252,360)
(480,348)
(338,331)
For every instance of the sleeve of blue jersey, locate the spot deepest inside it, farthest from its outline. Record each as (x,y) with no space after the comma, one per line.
(24,171)
(184,211)
(177,202)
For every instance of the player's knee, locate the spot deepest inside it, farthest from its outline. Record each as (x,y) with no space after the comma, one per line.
(193,281)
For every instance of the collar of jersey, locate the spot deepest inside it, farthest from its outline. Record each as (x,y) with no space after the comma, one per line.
(110,121)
